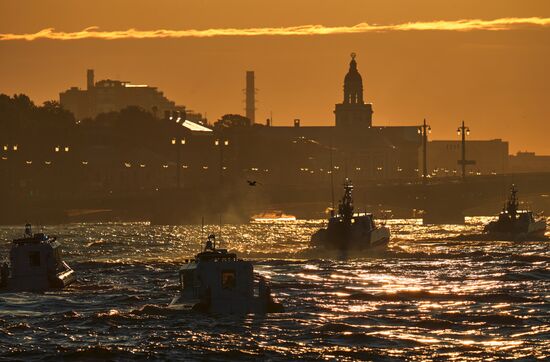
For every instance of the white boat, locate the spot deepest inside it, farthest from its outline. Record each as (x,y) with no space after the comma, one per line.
(515,224)
(35,264)
(351,231)
(272,217)
(216,281)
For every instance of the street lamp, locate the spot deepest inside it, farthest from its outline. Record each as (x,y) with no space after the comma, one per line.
(178,142)
(221,144)
(225,142)
(8,148)
(464,131)
(424,130)
(62,149)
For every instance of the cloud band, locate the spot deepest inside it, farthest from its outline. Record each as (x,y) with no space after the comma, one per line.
(302,30)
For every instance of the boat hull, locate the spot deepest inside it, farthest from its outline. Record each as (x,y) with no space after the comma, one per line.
(38,283)
(239,306)
(376,239)
(535,230)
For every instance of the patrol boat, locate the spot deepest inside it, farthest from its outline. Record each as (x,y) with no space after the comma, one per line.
(215,281)
(516,224)
(35,264)
(351,231)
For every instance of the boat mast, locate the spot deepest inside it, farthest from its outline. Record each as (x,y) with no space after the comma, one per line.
(331,179)
(202,234)
(346,205)
(220,226)
(513,203)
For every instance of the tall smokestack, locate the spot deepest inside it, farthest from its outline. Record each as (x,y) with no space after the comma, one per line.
(250,97)
(90,76)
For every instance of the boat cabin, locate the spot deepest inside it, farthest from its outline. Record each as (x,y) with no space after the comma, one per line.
(363,220)
(35,264)
(216,281)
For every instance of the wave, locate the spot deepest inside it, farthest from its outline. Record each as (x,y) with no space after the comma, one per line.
(492,238)
(536,274)
(154,310)
(112,315)
(335,327)
(72,315)
(424,295)
(438,324)
(497,319)
(18,327)
(98,353)
(530,258)
(362,339)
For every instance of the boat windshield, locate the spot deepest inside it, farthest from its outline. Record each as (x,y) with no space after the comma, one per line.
(186,279)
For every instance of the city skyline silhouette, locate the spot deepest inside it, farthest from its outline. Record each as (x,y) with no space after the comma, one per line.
(493,79)
(260,180)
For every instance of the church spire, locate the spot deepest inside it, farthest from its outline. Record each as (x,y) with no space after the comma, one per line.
(353,84)
(353,112)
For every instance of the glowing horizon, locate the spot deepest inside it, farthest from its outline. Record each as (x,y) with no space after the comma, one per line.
(463,25)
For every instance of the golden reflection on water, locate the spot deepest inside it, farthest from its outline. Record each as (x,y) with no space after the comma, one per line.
(422,299)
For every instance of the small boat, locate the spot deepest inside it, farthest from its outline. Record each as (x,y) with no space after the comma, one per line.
(35,264)
(272,217)
(216,281)
(351,231)
(516,224)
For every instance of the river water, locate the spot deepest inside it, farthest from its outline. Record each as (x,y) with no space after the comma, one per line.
(426,298)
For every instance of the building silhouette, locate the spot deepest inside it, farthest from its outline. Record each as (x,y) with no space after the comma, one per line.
(113,95)
(491,157)
(278,156)
(353,111)
(359,149)
(529,162)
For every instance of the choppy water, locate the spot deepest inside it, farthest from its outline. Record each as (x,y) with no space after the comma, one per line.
(426,298)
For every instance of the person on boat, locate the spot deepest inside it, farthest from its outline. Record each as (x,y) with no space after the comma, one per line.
(4,274)
(262,287)
(28,231)
(210,242)
(205,301)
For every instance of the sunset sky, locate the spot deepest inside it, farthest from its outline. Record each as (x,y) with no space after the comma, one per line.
(443,66)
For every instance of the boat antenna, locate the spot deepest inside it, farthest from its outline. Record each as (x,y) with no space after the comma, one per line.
(220,226)
(331,178)
(202,233)
(345,167)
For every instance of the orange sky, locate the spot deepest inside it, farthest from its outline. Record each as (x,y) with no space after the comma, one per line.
(498,81)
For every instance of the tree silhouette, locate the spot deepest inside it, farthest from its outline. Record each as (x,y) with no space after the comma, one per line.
(231,121)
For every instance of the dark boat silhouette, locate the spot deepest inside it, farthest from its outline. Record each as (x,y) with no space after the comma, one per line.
(216,281)
(35,264)
(348,230)
(513,223)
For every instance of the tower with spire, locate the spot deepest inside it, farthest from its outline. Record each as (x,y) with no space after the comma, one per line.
(353,111)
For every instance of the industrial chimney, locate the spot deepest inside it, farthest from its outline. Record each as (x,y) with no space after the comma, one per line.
(90,75)
(250,97)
